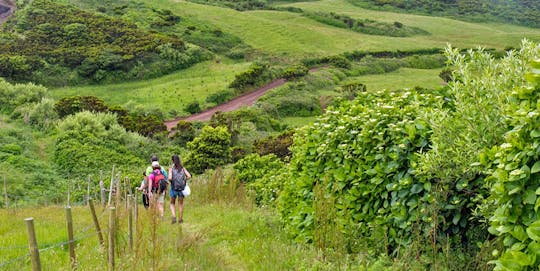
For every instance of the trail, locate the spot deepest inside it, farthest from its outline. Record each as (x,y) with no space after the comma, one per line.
(7,8)
(246,99)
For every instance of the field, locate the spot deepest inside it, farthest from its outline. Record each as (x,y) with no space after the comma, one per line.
(219,233)
(291,35)
(173,91)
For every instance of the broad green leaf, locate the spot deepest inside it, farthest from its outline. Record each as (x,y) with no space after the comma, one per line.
(536,167)
(519,233)
(529,197)
(417,188)
(533,231)
(456,218)
(535,133)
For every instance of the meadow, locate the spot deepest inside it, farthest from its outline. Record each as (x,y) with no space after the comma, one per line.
(170,92)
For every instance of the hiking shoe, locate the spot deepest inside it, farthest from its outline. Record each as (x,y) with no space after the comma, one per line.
(181,220)
(173,220)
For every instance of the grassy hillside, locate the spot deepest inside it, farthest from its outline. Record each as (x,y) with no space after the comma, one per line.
(170,92)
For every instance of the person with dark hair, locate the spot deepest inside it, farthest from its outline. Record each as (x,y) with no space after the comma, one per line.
(149,169)
(178,176)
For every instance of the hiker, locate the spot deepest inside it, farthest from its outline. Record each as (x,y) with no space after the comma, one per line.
(157,183)
(178,176)
(144,189)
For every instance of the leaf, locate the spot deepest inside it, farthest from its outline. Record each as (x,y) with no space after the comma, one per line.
(519,233)
(529,197)
(456,218)
(535,133)
(536,167)
(417,188)
(533,231)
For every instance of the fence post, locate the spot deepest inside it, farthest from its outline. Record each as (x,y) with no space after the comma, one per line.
(71,242)
(111,187)
(102,191)
(88,190)
(96,222)
(112,218)
(5,193)
(32,243)
(130,221)
(118,191)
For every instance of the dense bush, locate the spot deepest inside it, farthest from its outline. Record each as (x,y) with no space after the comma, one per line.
(88,142)
(514,182)
(183,133)
(364,152)
(211,148)
(193,107)
(14,95)
(277,145)
(258,171)
(74,104)
(295,71)
(40,115)
(256,75)
(523,12)
(79,46)
(365,26)
(220,96)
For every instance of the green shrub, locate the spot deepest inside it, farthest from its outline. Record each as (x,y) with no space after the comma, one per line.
(74,104)
(220,96)
(295,71)
(14,95)
(514,182)
(277,145)
(193,107)
(211,148)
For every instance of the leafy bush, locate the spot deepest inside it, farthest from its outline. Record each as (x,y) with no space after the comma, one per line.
(183,133)
(295,71)
(193,107)
(258,171)
(514,182)
(365,151)
(14,95)
(74,104)
(88,142)
(40,115)
(220,96)
(211,148)
(277,145)
(256,75)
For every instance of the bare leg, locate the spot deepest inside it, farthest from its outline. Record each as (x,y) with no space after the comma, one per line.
(180,209)
(173,211)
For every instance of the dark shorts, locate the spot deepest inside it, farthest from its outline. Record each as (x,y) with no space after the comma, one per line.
(174,194)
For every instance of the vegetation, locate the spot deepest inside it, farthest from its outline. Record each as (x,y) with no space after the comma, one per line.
(211,148)
(523,12)
(57,44)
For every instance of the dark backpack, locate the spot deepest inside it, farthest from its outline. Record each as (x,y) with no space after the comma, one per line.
(160,183)
(178,179)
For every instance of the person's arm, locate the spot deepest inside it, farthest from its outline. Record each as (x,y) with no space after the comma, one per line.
(170,173)
(150,183)
(188,175)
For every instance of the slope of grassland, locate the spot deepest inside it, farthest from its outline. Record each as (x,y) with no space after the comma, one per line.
(288,34)
(443,30)
(170,92)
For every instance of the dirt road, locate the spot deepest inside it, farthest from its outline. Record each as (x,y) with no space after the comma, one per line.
(7,8)
(247,99)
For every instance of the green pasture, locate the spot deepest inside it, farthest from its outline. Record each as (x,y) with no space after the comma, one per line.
(443,30)
(290,35)
(170,92)
(402,78)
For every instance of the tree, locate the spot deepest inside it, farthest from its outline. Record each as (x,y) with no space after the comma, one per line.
(210,149)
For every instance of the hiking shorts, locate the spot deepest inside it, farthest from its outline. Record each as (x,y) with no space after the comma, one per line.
(174,194)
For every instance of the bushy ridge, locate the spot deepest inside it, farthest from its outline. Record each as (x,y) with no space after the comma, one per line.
(522,12)
(58,44)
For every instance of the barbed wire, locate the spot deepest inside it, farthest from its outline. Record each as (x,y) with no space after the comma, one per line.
(11,261)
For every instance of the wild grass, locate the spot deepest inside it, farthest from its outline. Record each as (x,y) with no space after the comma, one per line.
(170,92)
(290,35)
(401,79)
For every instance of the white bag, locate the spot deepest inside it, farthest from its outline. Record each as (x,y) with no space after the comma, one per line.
(186,191)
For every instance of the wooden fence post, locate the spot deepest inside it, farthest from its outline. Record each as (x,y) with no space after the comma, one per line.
(102,191)
(112,226)
(88,190)
(111,187)
(71,241)
(32,243)
(118,191)
(130,221)
(96,222)
(6,194)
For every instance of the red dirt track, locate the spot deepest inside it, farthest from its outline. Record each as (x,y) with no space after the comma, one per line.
(247,99)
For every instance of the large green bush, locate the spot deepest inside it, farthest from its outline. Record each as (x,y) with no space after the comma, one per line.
(14,95)
(515,182)
(363,154)
(211,148)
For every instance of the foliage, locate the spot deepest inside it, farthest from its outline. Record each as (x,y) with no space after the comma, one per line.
(366,151)
(522,12)
(259,173)
(40,115)
(350,90)
(89,47)
(256,75)
(88,142)
(277,145)
(471,124)
(184,132)
(14,95)
(295,71)
(71,105)
(514,181)
(220,97)
(211,148)
(365,26)
(193,107)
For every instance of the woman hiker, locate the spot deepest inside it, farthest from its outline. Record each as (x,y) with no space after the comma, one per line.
(178,176)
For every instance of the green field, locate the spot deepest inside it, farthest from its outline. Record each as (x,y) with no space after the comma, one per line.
(286,34)
(171,92)
(402,78)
